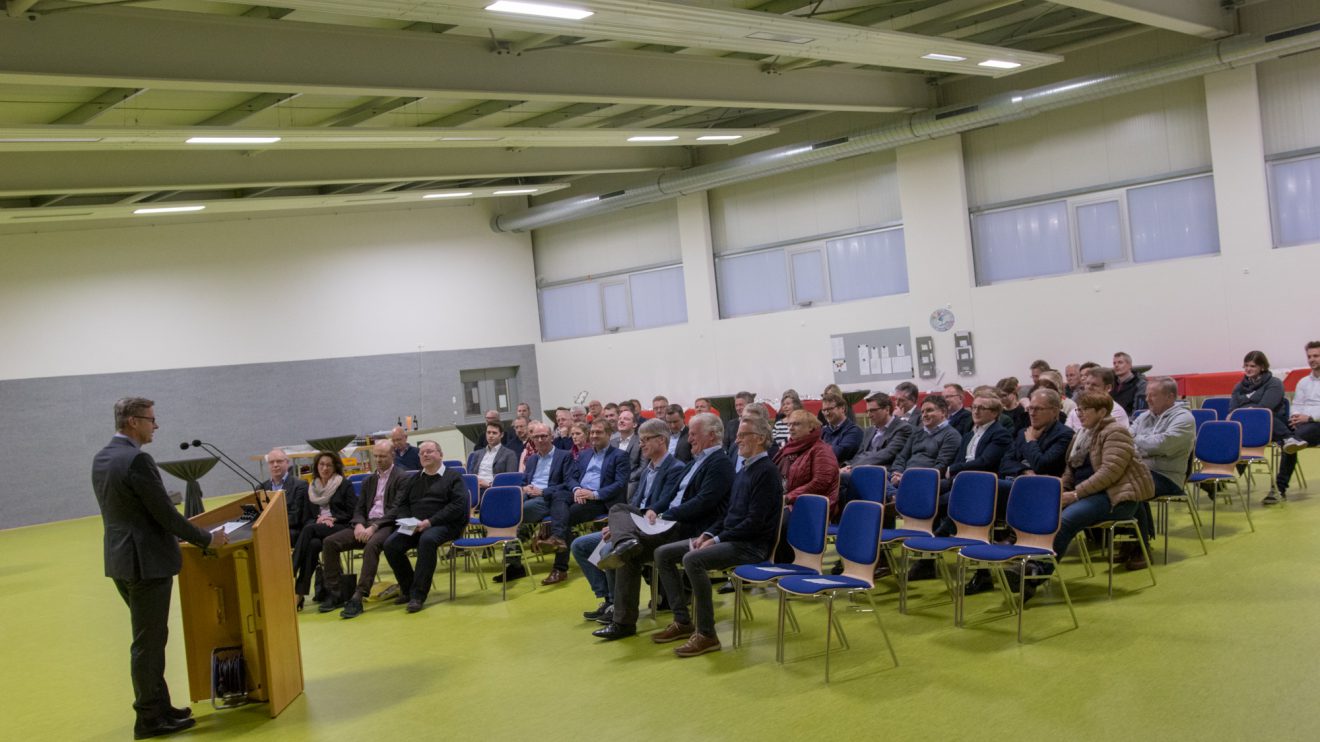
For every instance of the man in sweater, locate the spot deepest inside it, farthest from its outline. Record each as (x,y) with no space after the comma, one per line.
(438,499)
(1164,438)
(934,445)
(1304,419)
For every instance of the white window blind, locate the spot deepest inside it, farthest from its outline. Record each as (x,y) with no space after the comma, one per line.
(1022,242)
(614,297)
(1100,233)
(1295,201)
(629,301)
(808,277)
(867,265)
(658,298)
(571,311)
(1173,220)
(752,283)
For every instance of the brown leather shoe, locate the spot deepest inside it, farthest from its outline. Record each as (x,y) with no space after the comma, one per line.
(697,644)
(555,577)
(554,543)
(1135,559)
(673,632)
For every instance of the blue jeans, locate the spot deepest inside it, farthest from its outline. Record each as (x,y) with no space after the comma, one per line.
(601,581)
(1085,513)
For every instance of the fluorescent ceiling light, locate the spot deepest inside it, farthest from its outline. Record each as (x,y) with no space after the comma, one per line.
(233,140)
(786,38)
(719,137)
(667,138)
(469,139)
(47,140)
(460,194)
(515,191)
(168,209)
(543,10)
(936,56)
(999,64)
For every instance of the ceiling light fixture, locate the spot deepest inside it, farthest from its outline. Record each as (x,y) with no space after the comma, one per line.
(469,139)
(936,56)
(460,194)
(666,138)
(999,64)
(515,191)
(719,137)
(168,209)
(233,140)
(47,140)
(543,10)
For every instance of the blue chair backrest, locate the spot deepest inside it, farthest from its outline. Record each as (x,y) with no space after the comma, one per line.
(1138,413)
(1218,404)
(1033,504)
(1257,425)
(1203,416)
(501,507)
(1219,442)
(459,469)
(453,463)
(807,524)
(972,498)
(357,486)
(508,479)
(859,532)
(918,494)
(869,482)
(473,498)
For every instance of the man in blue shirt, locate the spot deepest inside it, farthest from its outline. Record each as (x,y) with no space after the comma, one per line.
(602,482)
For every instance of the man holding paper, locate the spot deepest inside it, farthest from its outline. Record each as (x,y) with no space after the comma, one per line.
(703,489)
(432,511)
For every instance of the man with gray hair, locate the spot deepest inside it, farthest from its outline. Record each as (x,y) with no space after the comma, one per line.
(1164,438)
(293,487)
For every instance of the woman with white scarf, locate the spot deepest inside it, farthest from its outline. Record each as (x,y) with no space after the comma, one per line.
(330,498)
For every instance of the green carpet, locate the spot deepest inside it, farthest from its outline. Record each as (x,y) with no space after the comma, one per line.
(1220,649)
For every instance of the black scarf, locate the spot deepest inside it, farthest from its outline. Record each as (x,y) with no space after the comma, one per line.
(1251,386)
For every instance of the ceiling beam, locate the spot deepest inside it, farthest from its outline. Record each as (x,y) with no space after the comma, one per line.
(561,116)
(99,105)
(636,117)
(317,58)
(247,109)
(1204,18)
(267,12)
(473,113)
(367,111)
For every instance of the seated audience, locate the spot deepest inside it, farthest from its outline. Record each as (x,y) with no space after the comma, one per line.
(548,474)
(788,402)
(807,462)
(679,446)
(373,523)
(405,454)
(611,414)
(847,408)
(740,402)
(437,497)
(1164,438)
(983,447)
(602,473)
(579,433)
(625,437)
(933,445)
(562,437)
(294,489)
(959,418)
(905,398)
(700,405)
(1260,388)
(839,432)
(888,435)
(1007,389)
(1129,386)
(1304,422)
(494,458)
(1053,380)
(1039,448)
(330,498)
(659,404)
(1072,374)
(1099,380)
(595,410)
(1037,367)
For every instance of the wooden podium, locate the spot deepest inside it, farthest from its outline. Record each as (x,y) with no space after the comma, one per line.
(241,595)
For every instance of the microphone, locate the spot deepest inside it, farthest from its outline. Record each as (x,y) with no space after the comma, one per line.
(224,458)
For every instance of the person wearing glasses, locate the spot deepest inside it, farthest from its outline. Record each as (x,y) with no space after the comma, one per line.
(549,473)
(840,433)
(959,418)
(933,445)
(984,446)
(807,462)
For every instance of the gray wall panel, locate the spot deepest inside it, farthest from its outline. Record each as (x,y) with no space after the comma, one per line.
(53,426)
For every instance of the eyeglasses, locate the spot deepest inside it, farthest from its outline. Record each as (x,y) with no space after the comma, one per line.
(981,407)
(829,409)
(144,417)
(540,436)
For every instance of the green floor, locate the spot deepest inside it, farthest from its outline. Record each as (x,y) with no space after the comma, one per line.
(1224,648)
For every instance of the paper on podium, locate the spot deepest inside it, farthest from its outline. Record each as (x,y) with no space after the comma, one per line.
(230,527)
(407,525)
(650,529)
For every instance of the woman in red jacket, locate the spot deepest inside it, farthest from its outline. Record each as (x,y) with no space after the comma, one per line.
(806,462)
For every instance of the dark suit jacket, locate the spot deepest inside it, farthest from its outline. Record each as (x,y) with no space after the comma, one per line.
(563,473)
(961,420)
(613,487)
(683,451)
(142,527)
(705,497)
(512,442)
(667,476)
(1045,455)
(846,440)
(896,437)
(441,499)
(731,435)
(989,452)
(295,499)
(362,512)
(341,504)
(914,417)
(755,505)
(505,460)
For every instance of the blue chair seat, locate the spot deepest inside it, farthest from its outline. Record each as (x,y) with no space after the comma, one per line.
(474,521)
(894,534)
(812,584)
(1204,477)
(479,543)
(1001,552)
(832,530)
(938,543)
(767,571)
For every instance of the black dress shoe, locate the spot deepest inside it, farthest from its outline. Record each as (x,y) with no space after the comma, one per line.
(922,570)
(162,726)
(607,617)
(602,609)
(352,609)
(179,713)
(516,572)
(329,604)
(981,582)
(622,551)
(837,569)
(614,631)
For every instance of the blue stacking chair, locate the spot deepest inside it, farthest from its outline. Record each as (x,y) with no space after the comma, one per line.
(458,468)
(972,502)
(474,498)
(806,534)
(859,548)
(1218,449)
(1203,416)
(501,515)
(869,482)
(1219,404)
(356,481)
(1034,508)
(508,479)
(1257,435)
(453,464)
(916,502)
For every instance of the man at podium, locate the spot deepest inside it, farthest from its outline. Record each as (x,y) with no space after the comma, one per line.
(142,528)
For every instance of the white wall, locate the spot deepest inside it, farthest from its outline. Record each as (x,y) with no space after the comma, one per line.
(203,293)
(633,238)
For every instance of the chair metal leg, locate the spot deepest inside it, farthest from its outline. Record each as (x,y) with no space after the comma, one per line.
(1022,595)
(453,576)
(1109,547)
(737,609)
(779,632)
(1085,553)
(1067,599)
(883,632)
(1150,566)
(829,623)
(1246,503)
(902,581)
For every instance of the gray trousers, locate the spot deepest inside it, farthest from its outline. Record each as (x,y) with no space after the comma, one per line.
(697,563)
(628,577)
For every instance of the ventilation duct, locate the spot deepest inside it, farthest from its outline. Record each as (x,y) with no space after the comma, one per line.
(1238,51)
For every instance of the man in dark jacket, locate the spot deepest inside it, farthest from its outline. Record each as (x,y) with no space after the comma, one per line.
(142,529)
(842,435)
(373,524)
(294,488)
(437,497)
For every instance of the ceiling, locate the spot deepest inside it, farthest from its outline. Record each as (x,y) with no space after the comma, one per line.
(386,101)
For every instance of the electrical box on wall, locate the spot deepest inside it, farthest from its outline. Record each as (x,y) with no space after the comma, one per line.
(962,351)
(926,357)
